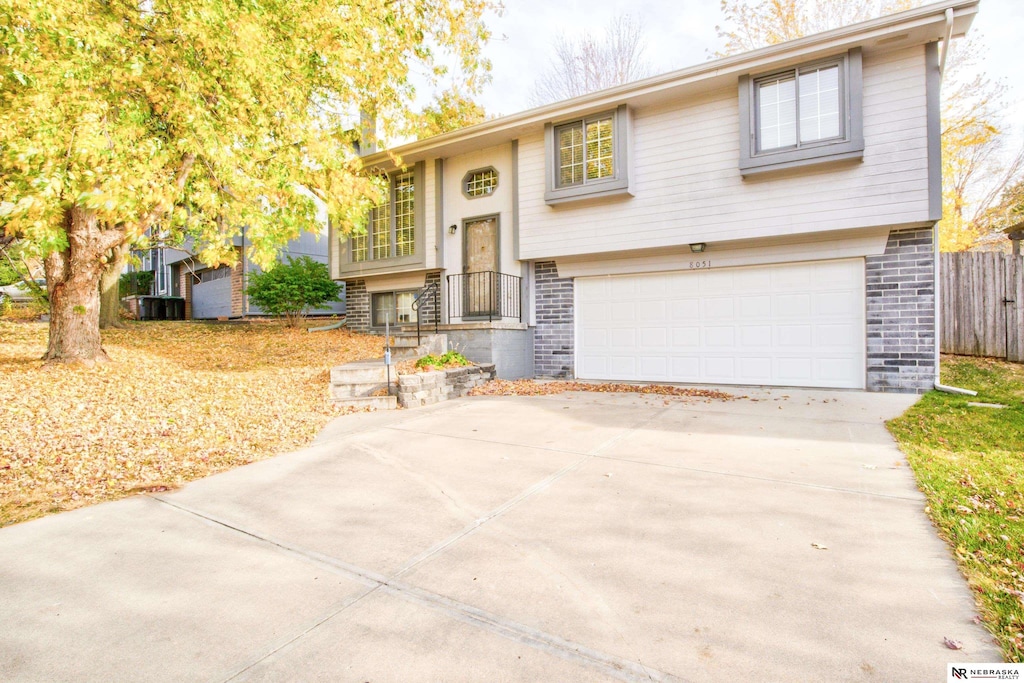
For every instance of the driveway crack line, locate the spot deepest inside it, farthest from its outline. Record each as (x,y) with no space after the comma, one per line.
(611,665)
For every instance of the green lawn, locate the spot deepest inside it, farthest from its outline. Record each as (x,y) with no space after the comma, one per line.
(970,464)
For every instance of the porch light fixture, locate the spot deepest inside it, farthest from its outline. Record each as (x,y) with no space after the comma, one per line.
(452,228)
(698,247)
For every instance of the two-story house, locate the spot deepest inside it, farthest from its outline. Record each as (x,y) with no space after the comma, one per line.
(762,219)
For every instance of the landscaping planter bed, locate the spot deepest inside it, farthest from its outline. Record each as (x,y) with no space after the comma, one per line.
(424,388)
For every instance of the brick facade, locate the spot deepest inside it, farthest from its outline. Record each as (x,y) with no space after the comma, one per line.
(357,305)
(185,280)
(901,313)
(554,344)
(429,304)
(238,307)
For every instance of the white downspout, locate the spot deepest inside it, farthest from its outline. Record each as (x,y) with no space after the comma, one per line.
(935,239)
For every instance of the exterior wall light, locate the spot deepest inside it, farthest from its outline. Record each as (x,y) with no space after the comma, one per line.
(698,247)
(452,228)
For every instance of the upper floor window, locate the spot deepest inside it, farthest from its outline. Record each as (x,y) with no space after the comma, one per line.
(802,115)
(585,151)
(391,225)
(480,183)
(588,157)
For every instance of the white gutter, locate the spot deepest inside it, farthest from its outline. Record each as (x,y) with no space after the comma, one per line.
(945,43)
(935,238)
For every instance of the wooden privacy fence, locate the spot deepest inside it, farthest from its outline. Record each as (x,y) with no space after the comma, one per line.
(982,305)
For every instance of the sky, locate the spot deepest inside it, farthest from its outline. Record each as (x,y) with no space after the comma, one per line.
(681,33)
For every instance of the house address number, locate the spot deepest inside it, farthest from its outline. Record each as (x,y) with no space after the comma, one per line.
(696,265)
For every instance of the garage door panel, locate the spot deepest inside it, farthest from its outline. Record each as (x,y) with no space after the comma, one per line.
(595,338)
(684,310)
(791,306)
(754,307)
(756,336)
(838,304)
(720,368)
(683,337)
(756,368)
(795,370)
(622,366)
(789,336)
(619,339)
(720,337)
(718,308)
(654,367)
(623,311)
(834,336)
(651,311)
(786,324)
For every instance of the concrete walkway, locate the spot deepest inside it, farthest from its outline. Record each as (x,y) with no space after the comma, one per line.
(568,538)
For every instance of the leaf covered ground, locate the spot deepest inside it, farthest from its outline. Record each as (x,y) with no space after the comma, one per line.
(529,387)
(969,461)
(180,401)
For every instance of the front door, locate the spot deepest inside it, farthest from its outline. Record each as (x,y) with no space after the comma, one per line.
(480,267)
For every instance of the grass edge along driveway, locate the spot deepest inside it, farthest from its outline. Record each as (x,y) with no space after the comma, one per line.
(969,462)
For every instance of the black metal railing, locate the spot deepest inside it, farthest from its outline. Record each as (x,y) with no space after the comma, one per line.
(431,294)
(487,294)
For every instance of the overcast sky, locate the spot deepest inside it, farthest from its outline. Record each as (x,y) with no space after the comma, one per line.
(681,33)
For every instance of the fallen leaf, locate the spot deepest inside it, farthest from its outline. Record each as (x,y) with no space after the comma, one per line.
(953,644)
(819,546)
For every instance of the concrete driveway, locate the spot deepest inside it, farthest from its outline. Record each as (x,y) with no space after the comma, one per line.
(567,538)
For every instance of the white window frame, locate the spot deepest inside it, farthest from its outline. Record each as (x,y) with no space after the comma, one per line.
(622,144)
(848,145)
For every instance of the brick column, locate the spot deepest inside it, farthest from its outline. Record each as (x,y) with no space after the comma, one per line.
(357,305)
(901,313)
(554,344)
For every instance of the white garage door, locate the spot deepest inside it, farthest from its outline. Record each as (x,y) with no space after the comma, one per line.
(798,324)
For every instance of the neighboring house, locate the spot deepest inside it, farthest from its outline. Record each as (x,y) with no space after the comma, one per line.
(766,218)
(218,293)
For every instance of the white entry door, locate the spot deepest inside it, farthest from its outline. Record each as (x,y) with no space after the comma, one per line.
(794,324)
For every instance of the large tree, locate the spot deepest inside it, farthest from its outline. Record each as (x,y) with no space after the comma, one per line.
(200,116)
(973,168)
(594,62)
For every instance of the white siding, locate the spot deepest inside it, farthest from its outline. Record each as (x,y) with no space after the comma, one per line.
(458,207)
(687,186)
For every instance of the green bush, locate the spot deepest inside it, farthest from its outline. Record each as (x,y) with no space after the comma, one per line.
(292,288)
(136,282)
(443,361)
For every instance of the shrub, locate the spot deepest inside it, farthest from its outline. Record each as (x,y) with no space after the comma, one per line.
(135,282)
(292,288)
(440,362)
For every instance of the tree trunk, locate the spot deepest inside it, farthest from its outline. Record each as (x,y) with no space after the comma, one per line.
(110,295)
(73,278)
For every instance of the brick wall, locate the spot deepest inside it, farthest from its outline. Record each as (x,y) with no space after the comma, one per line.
(357,305)
(553,336)
(185,278)
(238,288)
(901,313)
(430,303)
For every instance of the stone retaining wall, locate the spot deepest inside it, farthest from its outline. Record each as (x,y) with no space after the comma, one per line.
(424,388)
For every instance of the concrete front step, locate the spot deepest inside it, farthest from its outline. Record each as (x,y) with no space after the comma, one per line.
(359,389)
(352,383)
(376,402)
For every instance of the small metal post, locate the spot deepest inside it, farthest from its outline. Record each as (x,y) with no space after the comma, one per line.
(387,348)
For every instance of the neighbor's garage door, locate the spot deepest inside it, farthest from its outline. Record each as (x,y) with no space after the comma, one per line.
(798,324)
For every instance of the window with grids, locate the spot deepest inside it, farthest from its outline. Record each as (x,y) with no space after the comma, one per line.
(586,151)
(391,225)
(405,228)
(807,114)
(799,107)
(393,308)
(480,183)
